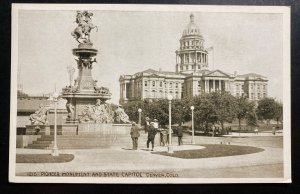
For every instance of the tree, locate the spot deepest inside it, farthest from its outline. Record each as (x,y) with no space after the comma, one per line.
(278,115)
(224,106)
(266,109)
(204,112)
(131,109)
(251,119)
(243,107)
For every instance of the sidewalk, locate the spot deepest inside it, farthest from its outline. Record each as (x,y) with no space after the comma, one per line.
(262,133)
(125,159)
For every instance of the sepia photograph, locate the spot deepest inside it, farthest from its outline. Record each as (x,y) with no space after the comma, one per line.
(150,94)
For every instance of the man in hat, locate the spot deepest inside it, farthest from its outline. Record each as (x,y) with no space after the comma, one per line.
(135,134)
(151,135)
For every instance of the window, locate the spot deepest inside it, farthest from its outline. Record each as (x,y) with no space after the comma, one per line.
(186,67)
(160,84)
(237,87)
(187,58)
(251,85)
(176,85)
(258,86)
(153,93)
(153,83)
(198,66)
(181,67)
(265,95)
(264,87)
(160,93)
(199,84)
(146,83)
(258,95)
(171,85)
(252,95)
(243,87)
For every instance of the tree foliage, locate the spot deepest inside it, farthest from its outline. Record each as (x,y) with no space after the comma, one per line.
(244,109)
(209,109)
(268,109)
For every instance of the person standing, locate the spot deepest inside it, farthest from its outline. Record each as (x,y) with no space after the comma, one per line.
(274,130)
(135,134)
(179,134)
(151,135)
(147,124)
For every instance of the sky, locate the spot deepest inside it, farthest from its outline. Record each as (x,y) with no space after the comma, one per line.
(133,41)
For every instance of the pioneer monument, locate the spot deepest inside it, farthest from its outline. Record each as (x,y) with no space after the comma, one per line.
(86,102)
(88,112)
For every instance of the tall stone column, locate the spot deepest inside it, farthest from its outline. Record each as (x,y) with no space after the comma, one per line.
(220,85)
(125,91)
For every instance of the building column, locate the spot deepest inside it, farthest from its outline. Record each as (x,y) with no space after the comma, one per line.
(206,86)
(133,89)
(220,85)
(125,90)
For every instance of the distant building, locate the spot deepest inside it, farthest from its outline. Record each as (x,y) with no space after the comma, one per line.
(191,77)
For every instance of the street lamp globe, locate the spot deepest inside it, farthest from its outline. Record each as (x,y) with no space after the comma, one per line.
(192,107)
(170,97)
(55,95)
(139,110)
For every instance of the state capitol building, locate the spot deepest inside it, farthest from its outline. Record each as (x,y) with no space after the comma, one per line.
(192,76)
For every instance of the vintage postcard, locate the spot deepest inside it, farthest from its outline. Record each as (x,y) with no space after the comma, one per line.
(150,94)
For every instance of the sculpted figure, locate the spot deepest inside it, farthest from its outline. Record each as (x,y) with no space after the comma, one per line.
(101,90)
(71,110)
(82,32)
(86,114)
(40,116)
(86,62)
(121,116)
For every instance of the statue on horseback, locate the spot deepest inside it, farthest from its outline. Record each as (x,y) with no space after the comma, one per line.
(84,28)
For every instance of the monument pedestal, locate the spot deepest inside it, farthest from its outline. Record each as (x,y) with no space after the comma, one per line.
(85,92)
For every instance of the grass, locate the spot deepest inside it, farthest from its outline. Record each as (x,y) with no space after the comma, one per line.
(213,150)
(43,158)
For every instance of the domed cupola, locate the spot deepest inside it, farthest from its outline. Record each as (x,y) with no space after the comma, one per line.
(191,55)
(192,29)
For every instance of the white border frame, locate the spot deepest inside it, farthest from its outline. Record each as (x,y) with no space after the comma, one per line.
(285,10)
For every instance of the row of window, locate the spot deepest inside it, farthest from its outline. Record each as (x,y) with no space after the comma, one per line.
(258,86)
(160,94)
(192,59)
(187,67)
(161,84)
(188,43)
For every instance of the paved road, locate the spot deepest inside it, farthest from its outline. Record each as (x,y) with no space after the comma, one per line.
(268,163)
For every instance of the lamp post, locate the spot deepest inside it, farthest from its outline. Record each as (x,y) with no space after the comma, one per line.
(140,116)
(193,130)
(170,150)
(55,148)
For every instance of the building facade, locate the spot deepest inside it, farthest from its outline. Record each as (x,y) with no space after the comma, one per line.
(192,76)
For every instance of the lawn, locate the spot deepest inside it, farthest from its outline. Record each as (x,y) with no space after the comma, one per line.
(213,150)
(43,158)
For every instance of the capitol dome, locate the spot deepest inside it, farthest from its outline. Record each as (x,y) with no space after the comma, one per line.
(192,29)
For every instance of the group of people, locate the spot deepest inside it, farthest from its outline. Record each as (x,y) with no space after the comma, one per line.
(152,128)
